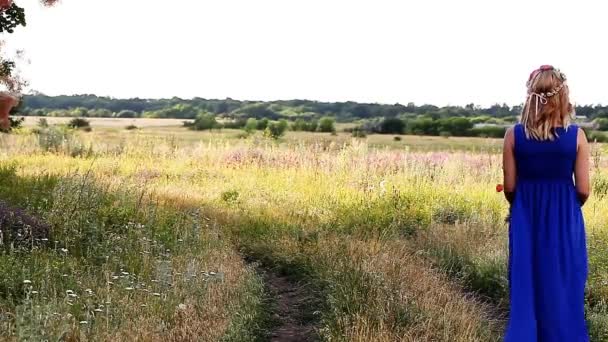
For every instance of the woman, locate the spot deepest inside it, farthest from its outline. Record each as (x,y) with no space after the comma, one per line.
(547,247)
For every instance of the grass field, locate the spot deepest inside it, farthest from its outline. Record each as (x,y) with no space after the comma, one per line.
(165,234)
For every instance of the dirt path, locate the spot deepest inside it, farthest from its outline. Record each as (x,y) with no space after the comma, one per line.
(290,309)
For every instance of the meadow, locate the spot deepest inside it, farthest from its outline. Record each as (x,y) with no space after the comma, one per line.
(164,234)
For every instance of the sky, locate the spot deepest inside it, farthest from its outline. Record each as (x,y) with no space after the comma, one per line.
(441,52)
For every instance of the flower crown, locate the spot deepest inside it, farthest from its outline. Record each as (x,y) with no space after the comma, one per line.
(560,75)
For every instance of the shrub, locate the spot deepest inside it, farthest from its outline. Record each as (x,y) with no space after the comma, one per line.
(327,125)
(79,123)
(595,136)
(275,130)
(392,126)
(251,125)
(397,138)
(43,123)
(204,121)
(15,123)
(52,138)
(131,127)
(359,133)
(489,131)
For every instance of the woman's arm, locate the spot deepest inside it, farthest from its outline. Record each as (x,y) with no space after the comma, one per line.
(508,165)
(7,102)
(581,168)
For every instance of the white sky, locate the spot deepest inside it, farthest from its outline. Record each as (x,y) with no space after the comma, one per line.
(427,51)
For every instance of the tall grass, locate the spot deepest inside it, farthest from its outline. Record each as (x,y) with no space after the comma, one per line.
(395,244)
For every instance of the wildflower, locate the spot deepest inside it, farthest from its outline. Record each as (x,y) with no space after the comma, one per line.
(34,292)
(499,188)
(156,294)
(129,288)
(182,307)
(98,310)
(27,281)
(64,250)
(84,322)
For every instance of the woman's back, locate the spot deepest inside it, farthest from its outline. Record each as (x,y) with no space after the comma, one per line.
(546,160)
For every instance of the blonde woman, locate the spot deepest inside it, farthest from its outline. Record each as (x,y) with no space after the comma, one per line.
(546,180)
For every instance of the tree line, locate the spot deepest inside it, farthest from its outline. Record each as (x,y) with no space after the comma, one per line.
(97,106)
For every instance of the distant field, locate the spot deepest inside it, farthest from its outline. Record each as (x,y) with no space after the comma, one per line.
(113,129)
(109,122)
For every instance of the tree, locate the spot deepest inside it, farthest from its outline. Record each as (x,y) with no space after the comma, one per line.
(327,124)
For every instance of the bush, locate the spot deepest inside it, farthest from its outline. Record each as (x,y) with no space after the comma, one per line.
(357,132)
(131,127)
(15,123)
(489,131)
(52,138)
(204,121)
(327,125)
(392,126)
(79,123)
(397,138)
(275,130)
(263,124)
(43,123)
(251,125)
(595,136)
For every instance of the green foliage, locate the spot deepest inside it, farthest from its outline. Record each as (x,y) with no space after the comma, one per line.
(11,18)
(15,123)
(304,125)
(327,125)
(601,124)
(204,121)
(275,129)
(251,125)
(595,136)
(489,132)
(263,124)
(392,126)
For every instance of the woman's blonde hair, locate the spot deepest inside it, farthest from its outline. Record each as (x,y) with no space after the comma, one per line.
(548,104)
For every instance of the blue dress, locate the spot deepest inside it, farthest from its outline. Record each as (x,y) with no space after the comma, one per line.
(547,245)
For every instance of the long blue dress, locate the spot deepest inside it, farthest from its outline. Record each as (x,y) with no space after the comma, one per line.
(547,245)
